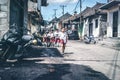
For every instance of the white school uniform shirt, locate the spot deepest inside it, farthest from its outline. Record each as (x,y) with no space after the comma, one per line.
(50,35)
(56,34)
(63,36)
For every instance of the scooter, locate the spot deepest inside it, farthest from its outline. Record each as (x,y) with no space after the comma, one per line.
(14,45)
(89,39)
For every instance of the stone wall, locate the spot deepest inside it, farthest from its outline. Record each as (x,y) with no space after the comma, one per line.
(4,16)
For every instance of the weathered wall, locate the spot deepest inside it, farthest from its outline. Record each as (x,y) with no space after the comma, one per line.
(110,21)
(4,16)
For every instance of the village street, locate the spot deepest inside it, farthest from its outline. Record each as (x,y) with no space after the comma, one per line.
(79,62)
(30,29)
(99,58)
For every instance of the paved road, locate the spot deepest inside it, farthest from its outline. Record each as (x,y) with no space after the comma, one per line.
(79,62)
(100,58)
(103,59)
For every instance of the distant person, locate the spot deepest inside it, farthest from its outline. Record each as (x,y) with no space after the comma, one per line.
(52,38)
(57,37)
(63,39)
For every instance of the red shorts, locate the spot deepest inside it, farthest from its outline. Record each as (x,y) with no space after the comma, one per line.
(62,41)
(52,40)
(46,39)
(57,40)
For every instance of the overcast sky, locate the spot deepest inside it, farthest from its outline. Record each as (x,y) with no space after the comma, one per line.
(48,12)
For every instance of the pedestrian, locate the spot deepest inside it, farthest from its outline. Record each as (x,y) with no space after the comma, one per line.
(57,37)
(45,39)
(52,38)
(63,39)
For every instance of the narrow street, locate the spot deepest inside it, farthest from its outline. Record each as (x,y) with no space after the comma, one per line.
(103,59)
(79,62)
(99,58)
(59,39)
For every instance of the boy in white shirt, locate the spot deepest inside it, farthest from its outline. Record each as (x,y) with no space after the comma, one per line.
(63,39)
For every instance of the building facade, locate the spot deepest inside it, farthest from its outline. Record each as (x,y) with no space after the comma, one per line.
(13,12)
(113,18)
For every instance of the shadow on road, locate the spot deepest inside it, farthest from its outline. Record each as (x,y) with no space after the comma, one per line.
(35,52)
(29,70)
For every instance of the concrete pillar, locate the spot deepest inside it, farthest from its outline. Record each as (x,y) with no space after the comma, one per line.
(96,31)
(110,24)
(119,23)
(4,17)
(85,28)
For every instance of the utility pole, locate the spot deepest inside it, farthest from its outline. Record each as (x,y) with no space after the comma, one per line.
(80,24)
(63,7)
(55,12)
(80,6)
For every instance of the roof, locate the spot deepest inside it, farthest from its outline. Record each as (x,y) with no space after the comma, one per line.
(54,20)
(65,16)
(110,4)
(34,0)
(35,16)
(43,2)
(89,11)
(93,10)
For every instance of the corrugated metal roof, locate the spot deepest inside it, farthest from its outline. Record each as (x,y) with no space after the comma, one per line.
(110,4)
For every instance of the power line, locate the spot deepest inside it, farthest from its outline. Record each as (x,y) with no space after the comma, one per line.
(79,1)
(80,5)
(76,5)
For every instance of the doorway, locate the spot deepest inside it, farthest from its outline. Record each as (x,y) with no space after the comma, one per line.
(16,13)
(115,24)
(90,29)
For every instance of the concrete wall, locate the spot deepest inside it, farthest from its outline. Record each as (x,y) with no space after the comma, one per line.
(119,23)
(96,31)
(85,28)
(4,16)
(110,21)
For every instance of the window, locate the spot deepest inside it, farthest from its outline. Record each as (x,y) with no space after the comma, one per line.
(96,23)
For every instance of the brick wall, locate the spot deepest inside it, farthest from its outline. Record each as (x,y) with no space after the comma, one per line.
(4,16)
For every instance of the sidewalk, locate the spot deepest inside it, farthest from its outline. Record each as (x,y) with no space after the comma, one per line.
(109,42)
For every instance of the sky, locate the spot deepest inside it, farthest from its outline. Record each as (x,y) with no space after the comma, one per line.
(48,12)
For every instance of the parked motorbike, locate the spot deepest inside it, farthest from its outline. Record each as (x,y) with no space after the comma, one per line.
(89,39)
(14,44)
(38,37)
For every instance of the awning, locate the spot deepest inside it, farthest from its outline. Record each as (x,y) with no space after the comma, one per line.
(110,4)
(34,0)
